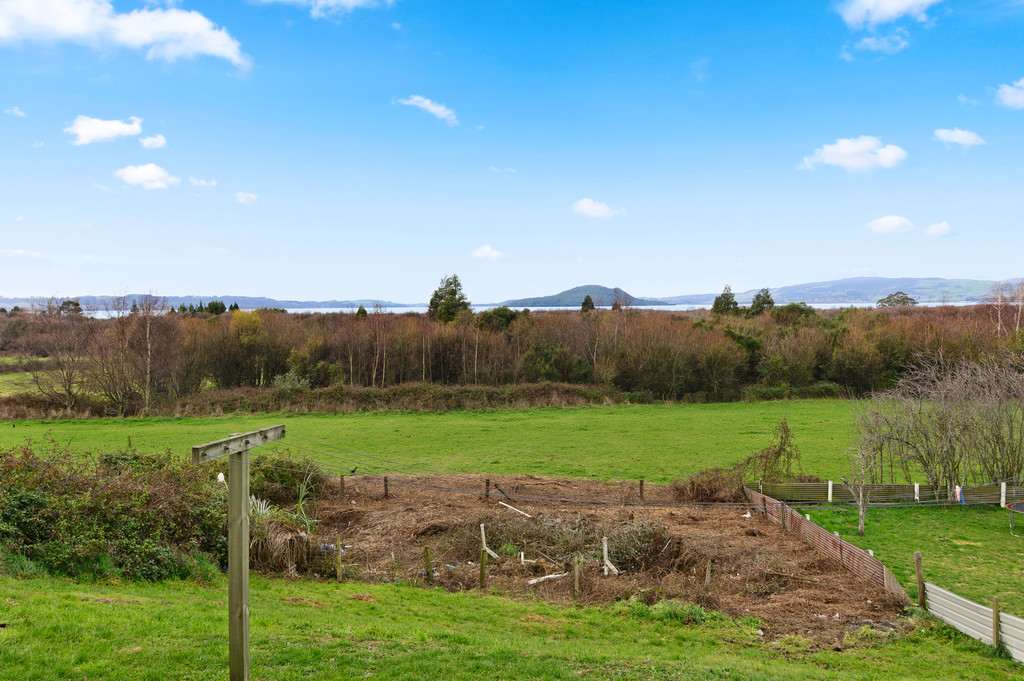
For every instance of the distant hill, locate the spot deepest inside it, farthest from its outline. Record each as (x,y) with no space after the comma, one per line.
(860,290)
(601,295)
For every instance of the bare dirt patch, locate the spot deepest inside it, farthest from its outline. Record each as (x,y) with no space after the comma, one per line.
(757,569)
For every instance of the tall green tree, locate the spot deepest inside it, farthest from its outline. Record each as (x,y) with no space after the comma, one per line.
(448,300)
(588,304)
(762,302)
(898,299)
(726,302)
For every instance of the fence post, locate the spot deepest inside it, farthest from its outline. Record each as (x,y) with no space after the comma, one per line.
(487,488)
(427,566)
(576,578)
(1002,494)
(782,513)
(707,579)
(922,600)
(337,557)
(917,491)
(641,491)
(385,487)
(483,569)
(995,621)
(830,491)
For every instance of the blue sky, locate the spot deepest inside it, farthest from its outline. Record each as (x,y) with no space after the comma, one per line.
(339,149)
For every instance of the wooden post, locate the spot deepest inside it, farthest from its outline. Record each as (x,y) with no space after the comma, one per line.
(1002,495)
(782,512)
(604,551)
(341,483)
(236,448)
(917,491)
(483,569)
(830,491)
(922,600)
(337,557)
(576,578)
(995,621)
(386,487)
(707,579)
(429,569)
(487,488)
(641,491)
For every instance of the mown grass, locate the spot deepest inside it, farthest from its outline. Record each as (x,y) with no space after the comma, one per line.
(966,549)
(658,442)
(59,629)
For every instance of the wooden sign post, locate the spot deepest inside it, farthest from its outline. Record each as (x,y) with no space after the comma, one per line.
(236,448)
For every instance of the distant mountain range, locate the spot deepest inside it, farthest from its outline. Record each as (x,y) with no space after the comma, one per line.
(856,290)
(860,290)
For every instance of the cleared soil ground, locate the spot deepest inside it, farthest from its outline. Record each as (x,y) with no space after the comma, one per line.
(757,569)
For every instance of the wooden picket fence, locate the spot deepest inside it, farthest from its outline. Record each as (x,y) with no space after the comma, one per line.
(853,558)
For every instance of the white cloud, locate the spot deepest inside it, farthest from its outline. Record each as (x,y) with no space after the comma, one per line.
(88,130)
(15,111)
(889,44)
(397,26)
(246,197)
(431,107)
(485,252)
(165,33)
(1011,96)
(890,224)
(939,229)
(19,218)
(964,138)
(594,209)
(324,8)
(495,169)
(38,144)
(97,185)
(860,13)
(154,142)
(699,69)
(196,182)
(150,176)
(855,154)
(965,100)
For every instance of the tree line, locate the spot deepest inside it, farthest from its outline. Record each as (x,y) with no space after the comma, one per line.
(142,356)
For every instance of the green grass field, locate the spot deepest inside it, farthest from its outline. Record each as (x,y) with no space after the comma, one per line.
(968,550)
(61,629)
(15,382)
(658,443)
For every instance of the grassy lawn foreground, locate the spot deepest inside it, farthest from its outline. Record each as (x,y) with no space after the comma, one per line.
(656,442)
(60,629)
(968,550)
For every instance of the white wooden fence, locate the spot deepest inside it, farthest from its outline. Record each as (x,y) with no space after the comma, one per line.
(975,619)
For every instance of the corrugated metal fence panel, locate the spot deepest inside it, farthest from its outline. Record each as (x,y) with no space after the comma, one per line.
(856,560)
(975,619)
(818,492)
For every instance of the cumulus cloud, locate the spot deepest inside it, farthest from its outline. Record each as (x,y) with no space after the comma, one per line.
(965,138)
(15,111)
(860,13)
(594,209)
(431,107)
(888,44)
(855,154)
(485,252)
(246,197)
(150,176)
(890,224)
(1011,96)
(323,8)
(88,130)
(196,182)
(154,142)
(939,229)
(165,33)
